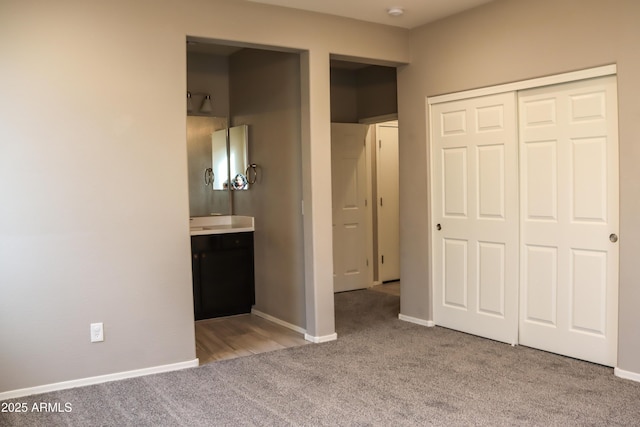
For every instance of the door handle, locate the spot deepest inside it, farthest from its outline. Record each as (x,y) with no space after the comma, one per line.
(438,227)
(613,237)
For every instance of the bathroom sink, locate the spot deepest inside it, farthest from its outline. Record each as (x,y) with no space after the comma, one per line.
(220,224)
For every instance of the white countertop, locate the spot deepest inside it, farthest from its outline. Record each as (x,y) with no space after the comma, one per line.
(203,225)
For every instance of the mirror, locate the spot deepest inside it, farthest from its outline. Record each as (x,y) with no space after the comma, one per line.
(238,157)
(219,159)
(207,163)
(214,162)
(236,161)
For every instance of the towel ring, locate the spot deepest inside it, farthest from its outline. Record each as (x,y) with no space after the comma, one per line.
(251,168)
(209,177)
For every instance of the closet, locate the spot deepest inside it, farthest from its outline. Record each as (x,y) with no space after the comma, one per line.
(524,214)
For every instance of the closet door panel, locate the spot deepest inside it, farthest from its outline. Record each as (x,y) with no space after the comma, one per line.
(491,284)
(540,284)
(455,273)
(475,216)
(454,182)
(490,182)
(540,180)
(569,205)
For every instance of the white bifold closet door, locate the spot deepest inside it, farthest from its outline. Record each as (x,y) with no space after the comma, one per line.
(525,216)
(475,216)
(569,219)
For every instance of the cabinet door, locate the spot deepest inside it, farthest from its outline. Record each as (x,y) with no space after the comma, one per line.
(224,283)
(195,270)
(225,275)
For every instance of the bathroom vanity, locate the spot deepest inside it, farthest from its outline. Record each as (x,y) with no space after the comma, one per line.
(222,263)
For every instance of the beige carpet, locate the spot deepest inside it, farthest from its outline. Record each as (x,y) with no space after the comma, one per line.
(380,372)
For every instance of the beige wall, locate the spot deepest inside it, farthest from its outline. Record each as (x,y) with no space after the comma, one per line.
(506,41)
(209,73)
(93,174)
(265,95)
(364,93)
(206,74)
(377,92)
(203,200)
(344,96)
(93,167)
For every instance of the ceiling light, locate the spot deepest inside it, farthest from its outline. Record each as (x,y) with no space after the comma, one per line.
(395,11)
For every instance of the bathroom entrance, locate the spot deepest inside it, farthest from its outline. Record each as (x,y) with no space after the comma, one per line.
(259,90)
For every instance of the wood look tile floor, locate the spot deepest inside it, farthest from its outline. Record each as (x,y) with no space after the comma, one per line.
(242,335)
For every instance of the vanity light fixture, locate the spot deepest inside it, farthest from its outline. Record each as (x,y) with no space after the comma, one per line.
(189,103)
(206,107)
(395,11)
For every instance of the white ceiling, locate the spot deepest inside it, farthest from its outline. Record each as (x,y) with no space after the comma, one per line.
(416,12)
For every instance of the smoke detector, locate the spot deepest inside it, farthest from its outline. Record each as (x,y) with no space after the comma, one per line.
(395,11)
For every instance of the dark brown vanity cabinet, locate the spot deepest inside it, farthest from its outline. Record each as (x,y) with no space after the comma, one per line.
(223,275)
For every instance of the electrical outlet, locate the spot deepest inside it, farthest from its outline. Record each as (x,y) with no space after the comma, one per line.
(97,332)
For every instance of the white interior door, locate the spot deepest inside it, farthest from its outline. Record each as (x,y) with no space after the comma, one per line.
(569,209)
(351,224)
(388,201)
(475,216)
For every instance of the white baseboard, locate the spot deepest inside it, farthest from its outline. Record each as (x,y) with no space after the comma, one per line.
(278,321)
(97,380)
(422,322)
(627,375)
(310,338)
(321,339)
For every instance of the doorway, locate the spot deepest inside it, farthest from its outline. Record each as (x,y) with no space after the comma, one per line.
(365,205)
(238,82)
(365,184)
(387,218)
